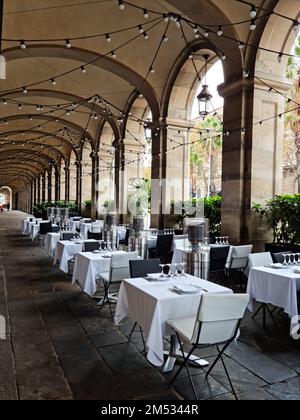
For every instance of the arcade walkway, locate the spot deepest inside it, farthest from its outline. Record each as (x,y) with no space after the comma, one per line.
(59,347)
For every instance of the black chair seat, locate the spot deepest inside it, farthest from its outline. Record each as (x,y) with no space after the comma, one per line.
(96,236)
(218,258)
(91,246)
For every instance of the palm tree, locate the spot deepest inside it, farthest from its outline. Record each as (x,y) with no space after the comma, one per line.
(293,118)
(204,152)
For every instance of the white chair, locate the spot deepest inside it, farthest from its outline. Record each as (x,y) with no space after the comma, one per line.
(238,257)
(119,270)
(216,323)
(96,227)
(180,241)
(260,260)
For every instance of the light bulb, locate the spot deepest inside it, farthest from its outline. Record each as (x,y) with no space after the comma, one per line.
(206,34)
(108,38)
(25,90)
(53,81)
(113,54)
(253,12)
(296,26)
(83,70)
(220,31)
(141,29)
(23,45)
(253,25)
(224,57)
(4,102)
(241,45)
(246,74)
(152,70)
(146,36)
(20,106)
(121,4)
(68,44)
(146,14)
(165,38)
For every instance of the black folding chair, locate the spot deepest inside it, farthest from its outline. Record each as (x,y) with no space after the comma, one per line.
(140,269)
(67,236)
(218,259)
(163,249)
(96,236)
(125,241)
(91,246)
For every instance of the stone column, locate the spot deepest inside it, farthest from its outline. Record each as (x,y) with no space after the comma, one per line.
(44,187)
(49,173)
(95,180)
(79,185)
(57,184)
(159,172)
(67,183)
(39,190)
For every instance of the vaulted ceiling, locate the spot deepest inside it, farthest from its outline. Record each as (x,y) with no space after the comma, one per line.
(41,127)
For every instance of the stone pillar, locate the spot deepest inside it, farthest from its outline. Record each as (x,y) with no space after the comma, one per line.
(159,172)
(57,184)
(49,173)
(67,183)
(39,190)
(252,167)
(34,192)
(95,180)
(44,187)
(79,185)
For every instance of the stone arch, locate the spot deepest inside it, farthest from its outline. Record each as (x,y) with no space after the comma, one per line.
(10,195)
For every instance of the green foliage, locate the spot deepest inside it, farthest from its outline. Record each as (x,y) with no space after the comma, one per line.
(212,211)
(88,204)
(40,209)
(282,213)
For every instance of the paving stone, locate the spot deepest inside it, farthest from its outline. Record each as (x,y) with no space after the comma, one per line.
(123,357)
(264,367)
(108,338)
(288,390)
(206,389)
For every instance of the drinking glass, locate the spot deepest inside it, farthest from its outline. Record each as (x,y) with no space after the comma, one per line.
(175,272)
(162,266)
(285,260)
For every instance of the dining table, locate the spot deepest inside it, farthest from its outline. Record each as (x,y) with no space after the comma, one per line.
(153,304)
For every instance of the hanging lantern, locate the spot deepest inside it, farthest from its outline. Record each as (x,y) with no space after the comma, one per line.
(205,97)
(204,102)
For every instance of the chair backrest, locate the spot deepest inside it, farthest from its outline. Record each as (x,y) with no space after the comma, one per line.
(67,236)
(279,257)
(76,219)
(96,228)
(218,318)
(96,236)
(45,228)
(91,246)
(87,221)
(54,229)
(164,244)
(140,268)
(218,258)
(119,266)
(178,231)
(260,260)
(238,257)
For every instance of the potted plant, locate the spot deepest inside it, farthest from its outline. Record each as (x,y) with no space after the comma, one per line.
(282,214)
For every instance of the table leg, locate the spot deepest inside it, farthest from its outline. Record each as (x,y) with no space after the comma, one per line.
(175,354)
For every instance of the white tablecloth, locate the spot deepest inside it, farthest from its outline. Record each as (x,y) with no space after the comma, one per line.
(51,242)
(153,304)
(275,287)
(85,228)
(87,268)
(66,251)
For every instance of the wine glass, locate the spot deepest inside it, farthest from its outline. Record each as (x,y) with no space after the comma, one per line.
(285,260)
(180,269)
(162,267)
(175,273)
(227,240)
(168,274)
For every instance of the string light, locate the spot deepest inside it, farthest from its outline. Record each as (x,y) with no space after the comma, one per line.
(113,54)
(252,25)
(165,38)
(23,45)
(141,29)
(83,70)
(108,37)
(296,26)
(146,36)
(220,31)
(146,14)
(68,44)
(25,91)
(241,45)
(53,81)
(121,4)
(253,12)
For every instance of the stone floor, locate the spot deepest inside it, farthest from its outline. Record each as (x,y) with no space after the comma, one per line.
(58,345)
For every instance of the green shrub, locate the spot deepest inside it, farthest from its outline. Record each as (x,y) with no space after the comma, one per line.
(282,214)
(40,209)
